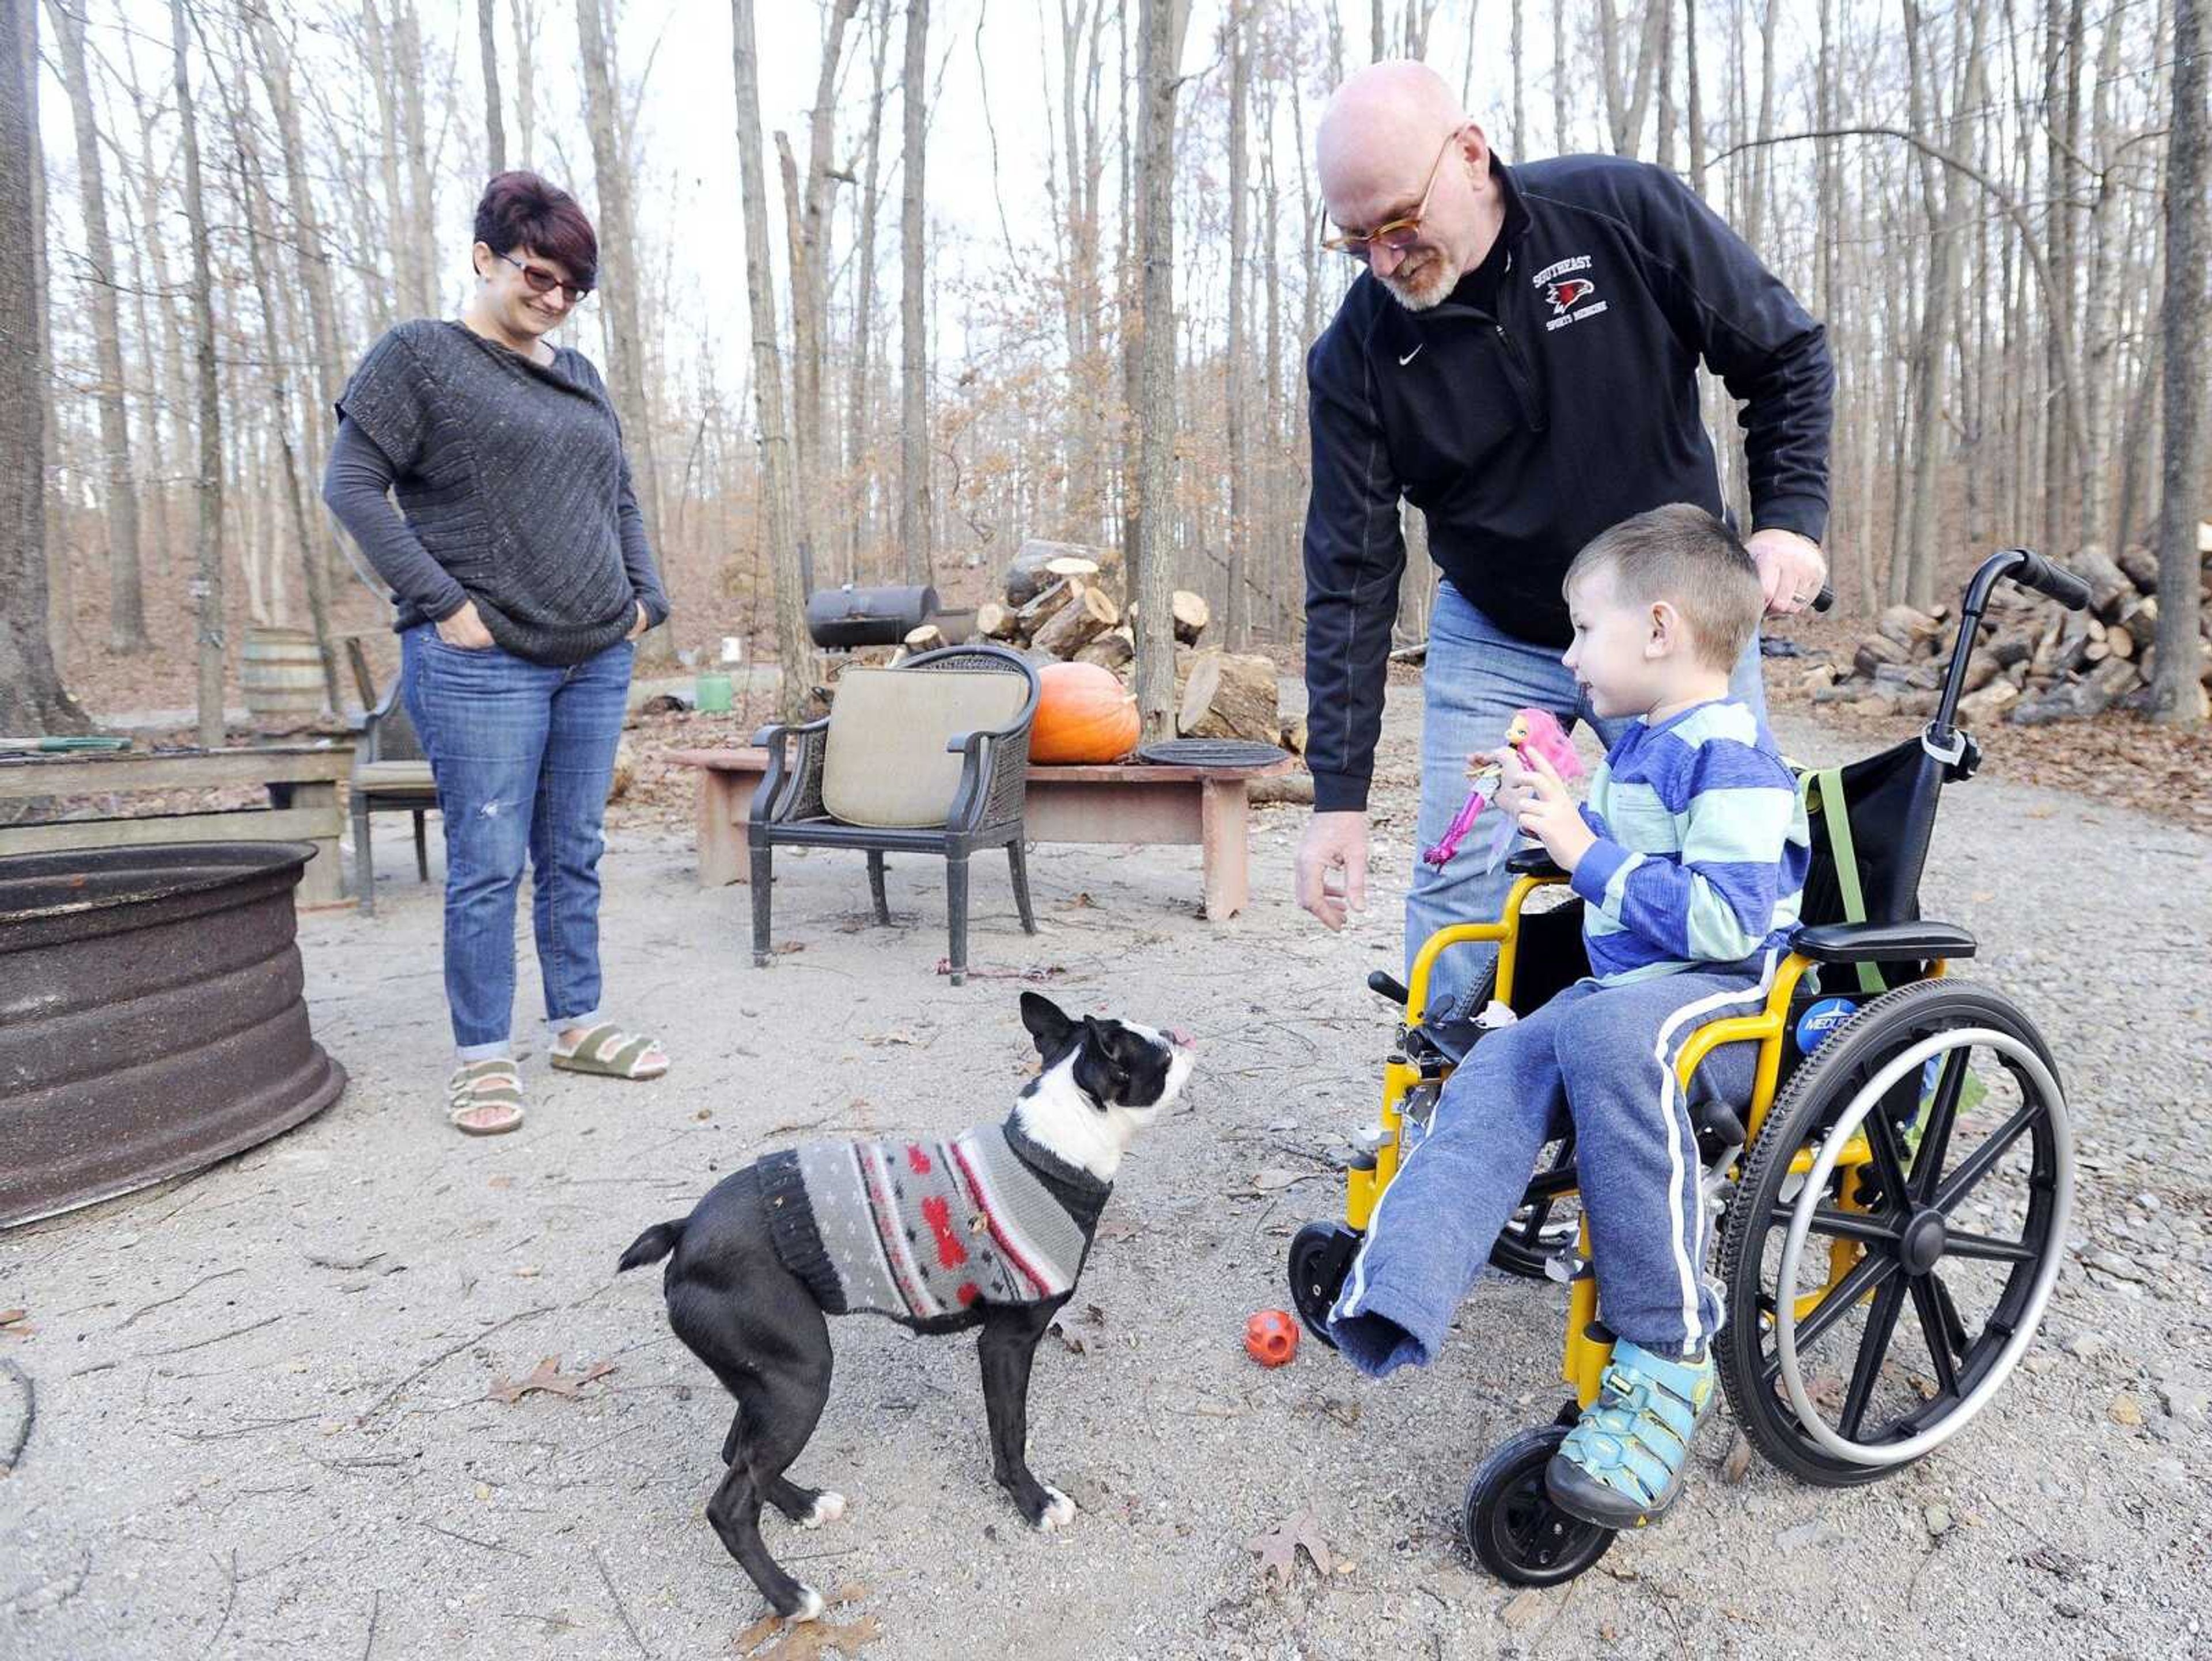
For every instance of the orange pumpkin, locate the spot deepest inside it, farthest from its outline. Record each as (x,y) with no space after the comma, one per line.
(1083,715)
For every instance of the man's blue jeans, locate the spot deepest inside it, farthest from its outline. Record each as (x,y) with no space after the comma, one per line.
(1476,676)
(523,754)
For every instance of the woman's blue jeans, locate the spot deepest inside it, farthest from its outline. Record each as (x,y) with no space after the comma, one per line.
(1475,677)
(523,753)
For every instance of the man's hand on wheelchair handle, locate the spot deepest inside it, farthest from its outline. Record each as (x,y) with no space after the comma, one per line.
(1792,569)
(1331,867)
(1549,815)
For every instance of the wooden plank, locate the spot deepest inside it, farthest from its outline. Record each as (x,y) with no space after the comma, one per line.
(1165,811)
(1110,772)
(298,824)
(204,770)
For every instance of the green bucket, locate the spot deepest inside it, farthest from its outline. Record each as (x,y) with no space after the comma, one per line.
(713,691)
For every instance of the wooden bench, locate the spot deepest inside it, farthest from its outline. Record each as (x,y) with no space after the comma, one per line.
(1120,802)
(301,780)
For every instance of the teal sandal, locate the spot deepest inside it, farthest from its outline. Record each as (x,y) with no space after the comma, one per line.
(606,1052)
(484,1098)
(1621,1465)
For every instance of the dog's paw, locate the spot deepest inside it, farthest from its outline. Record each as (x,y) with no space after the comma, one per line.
(1058,1511)
(828,1507)
(810,1606)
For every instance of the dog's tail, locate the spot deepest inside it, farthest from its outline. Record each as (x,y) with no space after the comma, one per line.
(656,1243)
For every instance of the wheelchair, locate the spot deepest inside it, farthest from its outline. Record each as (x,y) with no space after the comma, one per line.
(1906,1152)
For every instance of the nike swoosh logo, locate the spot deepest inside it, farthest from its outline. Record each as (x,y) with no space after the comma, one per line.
(1411,355)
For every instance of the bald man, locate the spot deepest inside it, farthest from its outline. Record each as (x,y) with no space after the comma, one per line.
(1518,359)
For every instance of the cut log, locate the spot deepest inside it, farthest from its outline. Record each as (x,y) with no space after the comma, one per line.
(2140,622)
(1033,617)
(995,621)
(2119,643)
(1987,707)
(1087,616)
(1982,668)
(1027,575)
(1293,737)
(2109,587)
(1877,649)
(927,637)
(1821,675)
(1280,789)
(1230,695)
(1114,649)
(2010,649)
(1192,615)
(2141,568)
(1910,628)
(1070,565)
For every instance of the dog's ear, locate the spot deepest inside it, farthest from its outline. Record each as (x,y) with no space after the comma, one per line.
(1047,1023)
(1099,1068)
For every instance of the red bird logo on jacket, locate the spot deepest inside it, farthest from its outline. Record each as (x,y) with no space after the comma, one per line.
(1569,293)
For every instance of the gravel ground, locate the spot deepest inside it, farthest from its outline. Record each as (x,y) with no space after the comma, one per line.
(263,1426)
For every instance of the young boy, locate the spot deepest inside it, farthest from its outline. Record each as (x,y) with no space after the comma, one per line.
(1690,859)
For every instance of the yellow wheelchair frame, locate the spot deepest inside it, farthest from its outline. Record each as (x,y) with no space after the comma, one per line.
(1587,1355)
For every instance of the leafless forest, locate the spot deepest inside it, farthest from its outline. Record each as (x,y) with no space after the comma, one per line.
(210,207)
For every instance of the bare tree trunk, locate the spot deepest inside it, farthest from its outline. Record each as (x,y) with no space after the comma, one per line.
(791,641)
(915,507)
(422,227)
(807,215)
(2061,115)
(2178,692)
(1696,111)
(1520,90)
(126,606)
(31,696)
(488,54)
(1663,86)
(1237,619)
(525,13)
(1559,81)
(2099,341)
(206,586)
(273,57)
(1151,583)
(313,567)
(857,400)
(618,258)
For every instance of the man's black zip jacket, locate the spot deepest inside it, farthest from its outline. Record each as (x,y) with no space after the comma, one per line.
(1522,432)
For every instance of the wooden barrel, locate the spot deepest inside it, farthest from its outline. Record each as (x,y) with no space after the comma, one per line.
(282,674)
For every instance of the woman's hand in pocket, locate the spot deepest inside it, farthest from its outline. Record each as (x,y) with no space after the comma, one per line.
(466,630)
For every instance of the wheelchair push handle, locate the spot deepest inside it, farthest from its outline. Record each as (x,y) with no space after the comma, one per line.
(2031,570)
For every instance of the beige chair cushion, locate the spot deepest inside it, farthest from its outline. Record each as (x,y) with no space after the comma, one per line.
(393,775)
(886,764)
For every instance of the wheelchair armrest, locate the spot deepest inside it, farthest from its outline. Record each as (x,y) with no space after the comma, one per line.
(1532,861)
(1882,943)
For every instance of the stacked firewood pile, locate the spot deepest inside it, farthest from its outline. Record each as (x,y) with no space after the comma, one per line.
(1063,603)
(2035,662)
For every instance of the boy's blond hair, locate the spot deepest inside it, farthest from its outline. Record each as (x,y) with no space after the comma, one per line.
(1682,554)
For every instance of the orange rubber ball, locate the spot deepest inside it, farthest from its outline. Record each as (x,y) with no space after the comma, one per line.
(1270,1337)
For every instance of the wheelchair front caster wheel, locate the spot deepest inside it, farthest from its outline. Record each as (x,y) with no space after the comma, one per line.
(1320,1254)
(1511,1525)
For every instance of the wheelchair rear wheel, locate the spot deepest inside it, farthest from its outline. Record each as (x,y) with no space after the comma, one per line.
(1890,1248)
(1510,1524)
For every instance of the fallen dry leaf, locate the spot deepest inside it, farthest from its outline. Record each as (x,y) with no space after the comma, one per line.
(1279,1550)
(1075,1345)
(547,1377)
(1272,1179)
(808,1640)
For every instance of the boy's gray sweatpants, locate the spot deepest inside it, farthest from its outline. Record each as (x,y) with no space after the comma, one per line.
(1601,1059)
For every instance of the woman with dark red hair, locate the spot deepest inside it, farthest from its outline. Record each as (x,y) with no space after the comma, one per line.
(519,565)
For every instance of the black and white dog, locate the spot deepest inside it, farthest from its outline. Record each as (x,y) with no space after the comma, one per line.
(986,1228)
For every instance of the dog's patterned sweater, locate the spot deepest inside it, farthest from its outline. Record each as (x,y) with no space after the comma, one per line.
(924,1230)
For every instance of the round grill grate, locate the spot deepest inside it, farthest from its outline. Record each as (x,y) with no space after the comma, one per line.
(1212,753)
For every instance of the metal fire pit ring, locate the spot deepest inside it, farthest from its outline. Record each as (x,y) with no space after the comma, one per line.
(151,1019)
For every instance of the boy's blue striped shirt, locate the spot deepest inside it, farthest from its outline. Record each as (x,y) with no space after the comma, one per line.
(1702,846)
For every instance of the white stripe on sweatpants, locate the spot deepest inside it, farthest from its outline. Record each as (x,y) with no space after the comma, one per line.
(1692,1335)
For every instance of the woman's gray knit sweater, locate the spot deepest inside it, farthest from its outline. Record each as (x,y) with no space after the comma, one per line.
(513,485)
